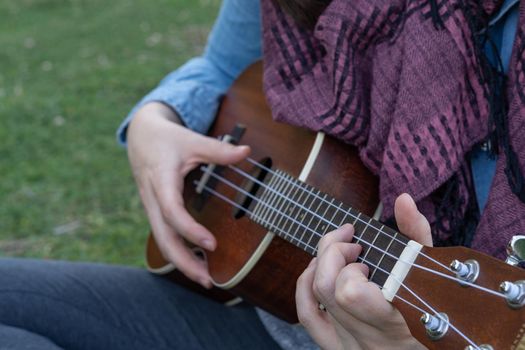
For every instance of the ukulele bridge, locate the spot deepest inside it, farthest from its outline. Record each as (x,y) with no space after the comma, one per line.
(205,179)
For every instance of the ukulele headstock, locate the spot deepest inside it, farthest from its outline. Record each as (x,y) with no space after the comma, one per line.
(481,297)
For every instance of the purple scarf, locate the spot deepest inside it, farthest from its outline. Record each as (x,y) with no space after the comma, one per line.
(406,82)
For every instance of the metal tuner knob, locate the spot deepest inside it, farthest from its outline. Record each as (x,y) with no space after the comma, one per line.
(436,326)
(481,347)
(467,271)
(516,250)
(515,293)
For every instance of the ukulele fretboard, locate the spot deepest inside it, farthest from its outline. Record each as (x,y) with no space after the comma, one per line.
(302,215)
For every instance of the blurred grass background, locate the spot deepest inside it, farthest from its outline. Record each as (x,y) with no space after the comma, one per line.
(70,70)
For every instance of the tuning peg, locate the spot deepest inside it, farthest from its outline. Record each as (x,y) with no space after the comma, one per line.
(516,250)
(467,271)
(481,347)
(436,326)
(515,293)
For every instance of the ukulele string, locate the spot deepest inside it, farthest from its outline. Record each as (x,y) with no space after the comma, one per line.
(338,209)
(358,239)
(348,213)
(262,166)
(275,228)
(428,306)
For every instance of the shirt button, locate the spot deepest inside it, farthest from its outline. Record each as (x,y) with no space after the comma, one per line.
(486,146)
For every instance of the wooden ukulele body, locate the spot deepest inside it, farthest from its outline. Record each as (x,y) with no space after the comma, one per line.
(249,261)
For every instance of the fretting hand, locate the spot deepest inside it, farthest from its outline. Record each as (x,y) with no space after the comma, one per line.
(162,152)
(357,315)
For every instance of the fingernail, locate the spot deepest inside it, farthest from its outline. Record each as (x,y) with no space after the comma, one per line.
(348,227)
(207,244)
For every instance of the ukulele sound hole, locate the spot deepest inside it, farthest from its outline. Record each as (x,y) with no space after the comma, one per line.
(247,202)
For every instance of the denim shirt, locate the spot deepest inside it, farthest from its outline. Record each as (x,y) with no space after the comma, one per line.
(194,89)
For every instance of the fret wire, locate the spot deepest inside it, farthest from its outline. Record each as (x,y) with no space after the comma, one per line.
(257,204)
(271,209)
(305,215)
(319,222)
(278,206)
(356,218)
(267,211)
(274,200)
(373,242)
(293,199)
(370,247)
(310,221)
(291,207)
(383,256)
(299,216)
(333,217)
(344,217)
(327,227)
(286,218)
(260,209)
(362,234)
(354,224)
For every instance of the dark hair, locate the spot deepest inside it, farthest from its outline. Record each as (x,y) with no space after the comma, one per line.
(304,12)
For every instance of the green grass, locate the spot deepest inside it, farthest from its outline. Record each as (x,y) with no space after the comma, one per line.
(70,70)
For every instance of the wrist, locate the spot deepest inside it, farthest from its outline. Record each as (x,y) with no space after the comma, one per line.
(158,109)
(151,116)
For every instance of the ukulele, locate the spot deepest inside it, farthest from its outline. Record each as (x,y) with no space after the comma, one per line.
(269,213)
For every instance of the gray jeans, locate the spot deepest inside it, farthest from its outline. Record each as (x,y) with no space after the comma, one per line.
(48,305)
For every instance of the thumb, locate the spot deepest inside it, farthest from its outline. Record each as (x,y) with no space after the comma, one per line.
(210,150)
(410,221)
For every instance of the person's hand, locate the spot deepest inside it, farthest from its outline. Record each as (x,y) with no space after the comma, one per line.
(357,315)
(161,153)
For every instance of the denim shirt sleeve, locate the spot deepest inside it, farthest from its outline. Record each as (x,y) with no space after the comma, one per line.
(194,89)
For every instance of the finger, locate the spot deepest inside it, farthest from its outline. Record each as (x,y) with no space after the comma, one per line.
(175,250)
(211,150)
(168,186)
(315,321)
(172,246)
(360,298)
(334,258)
(410,221)
(344,233)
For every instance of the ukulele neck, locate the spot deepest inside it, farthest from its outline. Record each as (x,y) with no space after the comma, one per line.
(302,215)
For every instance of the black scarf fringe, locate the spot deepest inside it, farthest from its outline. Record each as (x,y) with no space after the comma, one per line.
(454,227)
(436,17)
(495,78)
